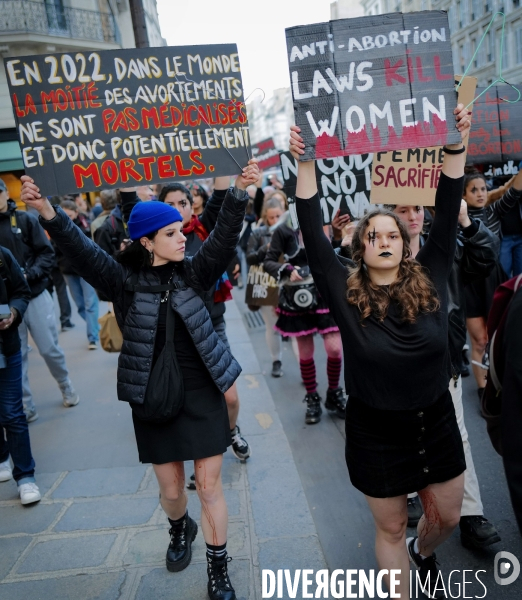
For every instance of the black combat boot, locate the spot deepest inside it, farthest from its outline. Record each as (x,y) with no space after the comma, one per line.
(336,402)
(219,586)
(313,408)
(182,534)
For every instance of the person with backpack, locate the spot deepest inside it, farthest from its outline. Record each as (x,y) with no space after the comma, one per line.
(23,236)
(173,367)
(112,233)
(401,430)
(15,296)
(109,201)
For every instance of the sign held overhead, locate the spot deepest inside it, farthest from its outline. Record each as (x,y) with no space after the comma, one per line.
(373,84)
(124,117)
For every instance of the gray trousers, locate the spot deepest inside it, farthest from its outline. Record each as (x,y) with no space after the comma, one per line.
(40,321)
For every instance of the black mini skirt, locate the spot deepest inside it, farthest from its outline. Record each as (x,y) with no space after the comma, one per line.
(201,429)
(394,452)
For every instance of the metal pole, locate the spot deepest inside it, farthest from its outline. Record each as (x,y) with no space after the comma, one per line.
(139,23)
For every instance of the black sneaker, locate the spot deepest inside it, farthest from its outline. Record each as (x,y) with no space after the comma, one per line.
(313,408)
(67,326)
(276,369)
(219,586)
(240,446)
(336,402)
(179,551)
(191,485)
(414,511)
(430,578)
(477,532)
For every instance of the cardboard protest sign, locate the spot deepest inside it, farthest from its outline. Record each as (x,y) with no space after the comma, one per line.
(497,127)
(266,153)
(128,117)
(370,84)
(343,183)
(261,288)
(411,176)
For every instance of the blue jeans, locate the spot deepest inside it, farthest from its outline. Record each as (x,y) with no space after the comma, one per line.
(86,300)
(511,255)
(12,419)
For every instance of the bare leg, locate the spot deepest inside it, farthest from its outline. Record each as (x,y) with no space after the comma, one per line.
(442,504)
(391,518)
(479,338)
(171,479)
(232,400)
(214,514)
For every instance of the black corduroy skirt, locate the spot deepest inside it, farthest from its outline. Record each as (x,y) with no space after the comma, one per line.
(394,452)
(201,429)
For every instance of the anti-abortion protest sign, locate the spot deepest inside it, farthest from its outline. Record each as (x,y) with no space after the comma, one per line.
(266,153)
(343,183)
(411,176)
(124,117)
(370,84)
(497,127)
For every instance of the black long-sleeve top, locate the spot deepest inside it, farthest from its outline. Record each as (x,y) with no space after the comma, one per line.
(390,365)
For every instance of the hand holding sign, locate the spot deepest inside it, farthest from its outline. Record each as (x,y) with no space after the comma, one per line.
(32,197)
(249,176)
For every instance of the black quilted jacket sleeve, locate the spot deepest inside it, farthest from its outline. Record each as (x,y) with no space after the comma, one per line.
(90,261)
(212,259)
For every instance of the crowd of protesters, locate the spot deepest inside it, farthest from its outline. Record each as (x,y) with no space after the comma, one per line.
(198,239)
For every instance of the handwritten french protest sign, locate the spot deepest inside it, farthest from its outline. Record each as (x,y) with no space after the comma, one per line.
(497,127)
(410,176)
(370,84)
(266,153)
(343,183)
(116,118)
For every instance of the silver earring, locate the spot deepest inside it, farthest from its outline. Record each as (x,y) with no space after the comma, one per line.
(151,257)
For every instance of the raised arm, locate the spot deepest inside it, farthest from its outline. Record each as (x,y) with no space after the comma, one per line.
(511,196)
(326,269)
(212,259)
(438,252)
(210,213)
(90,261)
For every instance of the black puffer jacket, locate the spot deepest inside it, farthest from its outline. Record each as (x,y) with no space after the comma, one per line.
(20,233)
(137,313)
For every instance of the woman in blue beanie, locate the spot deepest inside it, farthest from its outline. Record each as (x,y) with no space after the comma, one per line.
(151,285)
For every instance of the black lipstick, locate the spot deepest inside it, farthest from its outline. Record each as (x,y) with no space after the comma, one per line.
(385,254)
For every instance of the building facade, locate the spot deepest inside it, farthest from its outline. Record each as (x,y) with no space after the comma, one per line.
(41,26)
(468,20)
(346,9)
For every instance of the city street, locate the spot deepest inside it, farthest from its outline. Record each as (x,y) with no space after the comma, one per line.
(99,532)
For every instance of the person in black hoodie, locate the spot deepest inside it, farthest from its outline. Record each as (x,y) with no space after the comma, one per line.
(14,293)
(21,233)
(152,283)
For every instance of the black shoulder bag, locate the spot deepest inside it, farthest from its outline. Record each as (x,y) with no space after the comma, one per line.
(165,392)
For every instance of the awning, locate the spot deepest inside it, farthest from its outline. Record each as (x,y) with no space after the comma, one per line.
(10,157)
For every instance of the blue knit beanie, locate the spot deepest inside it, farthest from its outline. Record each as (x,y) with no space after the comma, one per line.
(147,217)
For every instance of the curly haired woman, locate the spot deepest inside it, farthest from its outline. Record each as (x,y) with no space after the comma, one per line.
(401,431)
